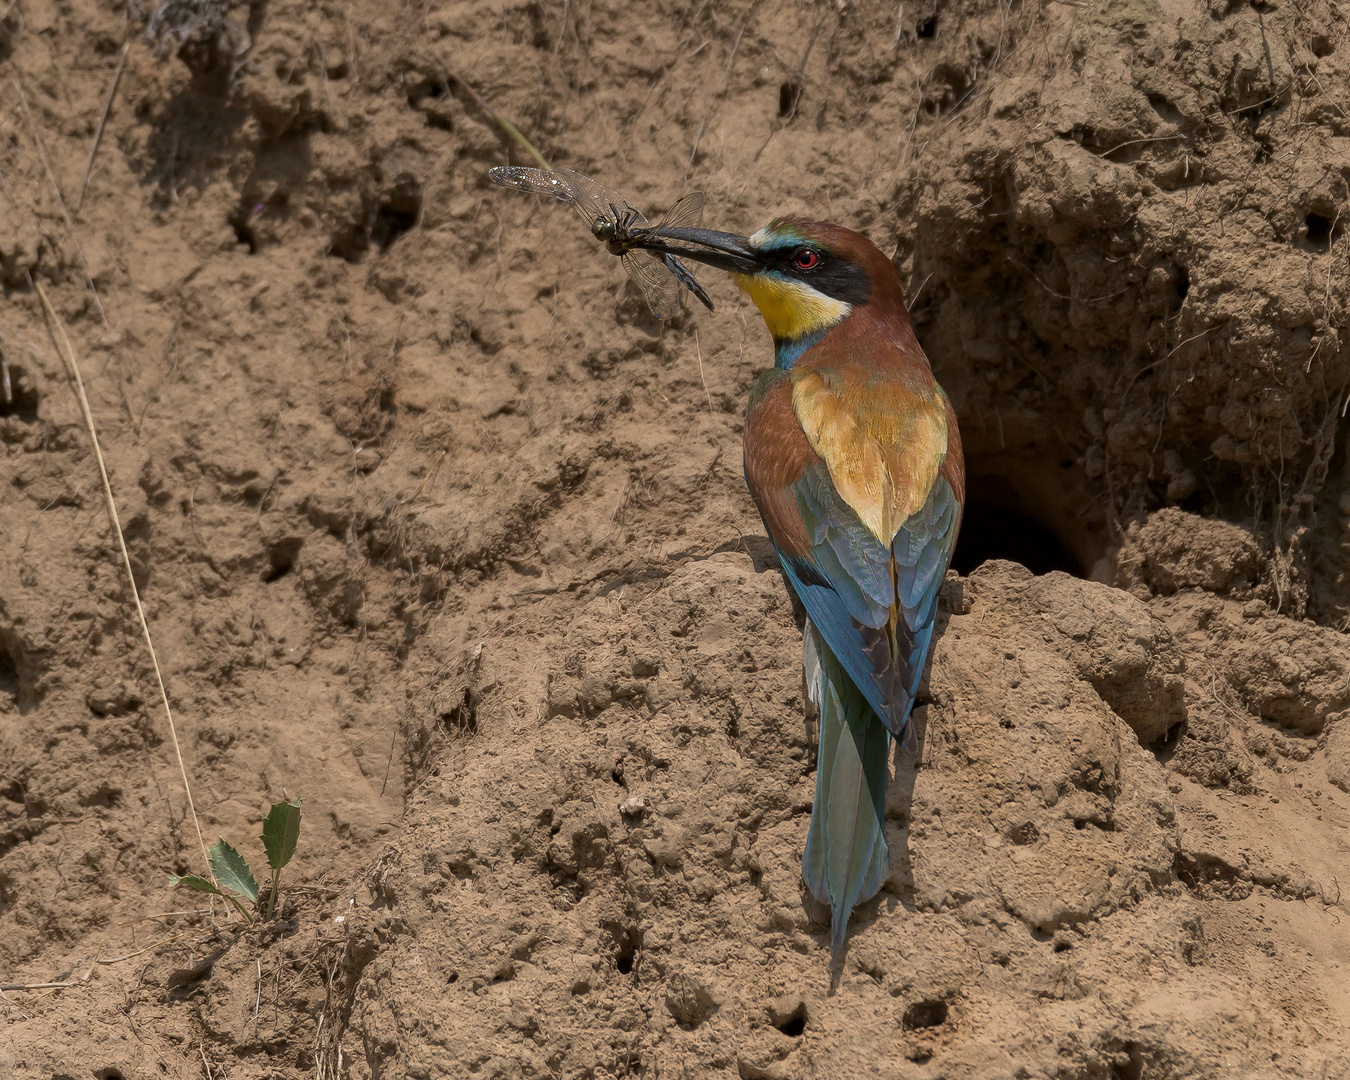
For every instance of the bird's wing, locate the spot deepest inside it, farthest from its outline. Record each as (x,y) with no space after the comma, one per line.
(873,600)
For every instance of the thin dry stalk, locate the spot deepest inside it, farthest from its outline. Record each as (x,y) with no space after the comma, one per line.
(427,479)
(102,120)
(36,986)
(130,955)
(698,349)
(58,331)
(507,128)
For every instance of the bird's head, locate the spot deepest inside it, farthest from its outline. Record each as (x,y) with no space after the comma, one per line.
(806,277)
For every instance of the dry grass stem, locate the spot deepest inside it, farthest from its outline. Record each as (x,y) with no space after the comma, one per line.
(509,129)
(427,479)
(698,350)
(63,346)
(130,955)
(102,120)
(36,986)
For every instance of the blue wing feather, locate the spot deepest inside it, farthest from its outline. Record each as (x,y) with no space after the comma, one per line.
(845,586)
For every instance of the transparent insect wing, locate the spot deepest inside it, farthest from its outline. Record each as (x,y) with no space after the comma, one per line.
(687,213)
(537,181)
(655,280)
(595,201)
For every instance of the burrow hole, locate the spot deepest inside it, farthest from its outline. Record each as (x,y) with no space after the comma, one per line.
(398,213)
(281,559)
(924,1014)
(794,1023)
(1129,1063)
(461,718)
(630,951)
(18,398)
(1321,230)
(1003,522)
(243,229)
(9,680)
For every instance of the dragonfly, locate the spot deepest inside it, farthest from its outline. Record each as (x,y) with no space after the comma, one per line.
(621,226)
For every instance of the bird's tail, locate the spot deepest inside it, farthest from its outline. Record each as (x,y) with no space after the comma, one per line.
(846,859)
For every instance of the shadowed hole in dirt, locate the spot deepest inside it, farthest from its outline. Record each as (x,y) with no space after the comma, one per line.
(9,680)
(462,717)
(1167,112)
(281,558)
(1320,231)
(998,525)
(397,214)
(788,96)
(1165,747)
(1183,283)
(425,88)
(924,1014)
(1024,834)
(1132,1067)
(792,1024)
(107,796)
(629,954)
(17,398)
(243,230)
(926,29)
(380,226)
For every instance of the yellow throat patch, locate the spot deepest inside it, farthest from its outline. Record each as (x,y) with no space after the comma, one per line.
(791,309)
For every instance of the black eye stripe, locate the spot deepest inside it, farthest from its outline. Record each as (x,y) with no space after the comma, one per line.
(834,277)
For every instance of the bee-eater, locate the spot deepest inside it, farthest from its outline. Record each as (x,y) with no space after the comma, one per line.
(853,457)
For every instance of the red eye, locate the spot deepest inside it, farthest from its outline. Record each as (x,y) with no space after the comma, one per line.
(805,259)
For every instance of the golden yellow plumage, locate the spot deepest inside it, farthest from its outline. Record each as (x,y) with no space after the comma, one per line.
(882,444)
(790,309)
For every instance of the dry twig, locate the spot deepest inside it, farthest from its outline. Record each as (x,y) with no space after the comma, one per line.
(58,332)
(102,120)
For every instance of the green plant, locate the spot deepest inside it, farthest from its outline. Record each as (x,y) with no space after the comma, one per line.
(234,878)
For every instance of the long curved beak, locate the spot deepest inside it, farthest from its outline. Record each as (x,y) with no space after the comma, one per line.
(726,251)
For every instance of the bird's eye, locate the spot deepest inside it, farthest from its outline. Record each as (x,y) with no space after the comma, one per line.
(806,259)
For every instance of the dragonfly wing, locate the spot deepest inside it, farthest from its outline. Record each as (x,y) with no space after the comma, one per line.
(656,280)
(595,201)
(687,213)
(687,279)
(537,181)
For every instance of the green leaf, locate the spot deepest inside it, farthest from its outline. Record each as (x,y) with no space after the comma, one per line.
(232,871)
(192,881)
(281,829)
